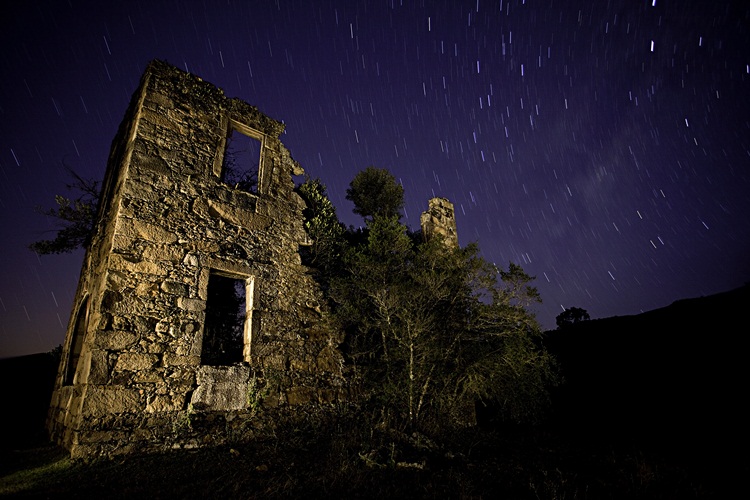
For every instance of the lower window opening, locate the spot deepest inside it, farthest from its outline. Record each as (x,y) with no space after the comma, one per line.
(226,315)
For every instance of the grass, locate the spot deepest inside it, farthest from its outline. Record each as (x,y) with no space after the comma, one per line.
(602,456)
(346,460)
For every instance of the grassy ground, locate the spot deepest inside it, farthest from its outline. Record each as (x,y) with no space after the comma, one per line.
(342,462)
(594,459)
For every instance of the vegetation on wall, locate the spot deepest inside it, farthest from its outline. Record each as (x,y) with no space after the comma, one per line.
(432,329)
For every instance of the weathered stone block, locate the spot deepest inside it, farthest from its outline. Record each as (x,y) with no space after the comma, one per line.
(174,288)
(300,364)
(301,395)
(169,253)
(189,304)
(191,260)
(156,99)
(153,164)
(140,229)
(147,377)
(181,376)
(94,436)
(277,362)
(99,368)
(329,360)
(116,340)
(165,403)
(221,388)
(104,400)
(135,361)
(181,360)
(163,326)
(228,213)
(145,289)
(121,263)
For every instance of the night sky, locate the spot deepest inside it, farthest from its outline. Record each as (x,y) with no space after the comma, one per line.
(602,145)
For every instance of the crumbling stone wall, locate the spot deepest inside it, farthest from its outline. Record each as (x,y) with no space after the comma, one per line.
(440,219)
(132,376)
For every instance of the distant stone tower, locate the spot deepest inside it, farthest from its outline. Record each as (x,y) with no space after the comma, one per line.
(440,219)
(194,321)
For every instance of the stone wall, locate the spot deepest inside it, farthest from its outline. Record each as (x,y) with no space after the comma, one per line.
(440,219)
(132,375)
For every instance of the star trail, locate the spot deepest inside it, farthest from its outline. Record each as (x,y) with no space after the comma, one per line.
(602,145)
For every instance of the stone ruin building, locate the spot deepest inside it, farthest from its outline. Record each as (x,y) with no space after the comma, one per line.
(440,219)
(195,322)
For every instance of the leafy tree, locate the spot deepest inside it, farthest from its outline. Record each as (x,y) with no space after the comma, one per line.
(433,329)
(76,217)
(375,192)
(324,228)
(570,316)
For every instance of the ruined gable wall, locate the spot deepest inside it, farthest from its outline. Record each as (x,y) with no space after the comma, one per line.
(168,221)
(65,408)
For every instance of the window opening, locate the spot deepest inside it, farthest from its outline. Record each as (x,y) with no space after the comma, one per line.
(74,351)
(228,315)
(241,165)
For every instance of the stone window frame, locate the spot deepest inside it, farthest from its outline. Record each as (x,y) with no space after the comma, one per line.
(73,355)
(231,125)
(251,323)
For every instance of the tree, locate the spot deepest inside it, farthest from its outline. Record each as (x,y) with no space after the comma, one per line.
(76,217)
(433,329)
(325,230)
(570,316)
(375,192)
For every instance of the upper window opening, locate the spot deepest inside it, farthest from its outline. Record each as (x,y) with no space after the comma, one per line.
(241,167)
(228,314)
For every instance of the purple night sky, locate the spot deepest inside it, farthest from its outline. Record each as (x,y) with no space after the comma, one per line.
(602,145)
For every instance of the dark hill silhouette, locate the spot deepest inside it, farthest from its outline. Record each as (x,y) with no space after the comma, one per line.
(27,384)
(675,376)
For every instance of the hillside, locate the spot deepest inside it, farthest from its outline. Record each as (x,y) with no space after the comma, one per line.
(27,390)
(675,376)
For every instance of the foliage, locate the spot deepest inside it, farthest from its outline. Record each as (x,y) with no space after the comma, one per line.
(432,329)
(324,228)
(375,192)
(570,316)
(56,353)
(75,215)
(183,420)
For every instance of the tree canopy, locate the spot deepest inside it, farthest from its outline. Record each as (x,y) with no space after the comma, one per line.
(375,192)
(432,330)
(570,316)
(75,217)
